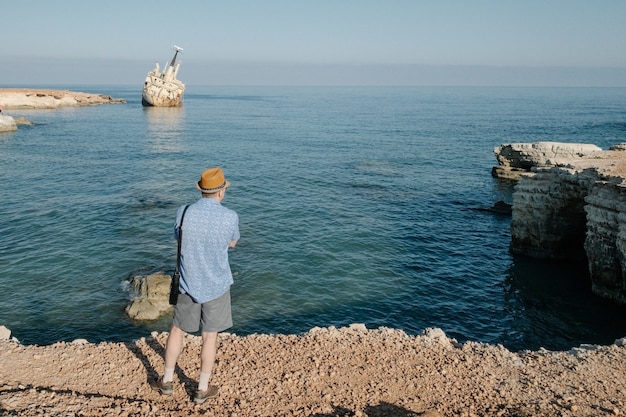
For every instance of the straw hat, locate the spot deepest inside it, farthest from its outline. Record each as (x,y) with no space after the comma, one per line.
(212,180)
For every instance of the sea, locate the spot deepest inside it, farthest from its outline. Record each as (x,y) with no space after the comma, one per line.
(356,204)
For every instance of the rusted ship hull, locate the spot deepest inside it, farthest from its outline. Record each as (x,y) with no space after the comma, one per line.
(162,88)
(160,93)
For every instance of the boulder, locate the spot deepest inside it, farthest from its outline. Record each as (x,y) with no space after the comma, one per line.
(152,296)
(7,124)
(436,336)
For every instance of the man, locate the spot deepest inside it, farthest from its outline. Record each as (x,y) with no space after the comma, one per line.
(209,230)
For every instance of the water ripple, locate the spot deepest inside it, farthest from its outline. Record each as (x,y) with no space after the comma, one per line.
(356,205)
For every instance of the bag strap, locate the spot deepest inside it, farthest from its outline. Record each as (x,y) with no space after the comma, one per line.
(180,238)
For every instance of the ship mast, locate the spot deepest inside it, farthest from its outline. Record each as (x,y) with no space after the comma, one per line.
(178,49)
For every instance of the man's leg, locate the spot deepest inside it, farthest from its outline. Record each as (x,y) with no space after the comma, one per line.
(207,358)
(173,348)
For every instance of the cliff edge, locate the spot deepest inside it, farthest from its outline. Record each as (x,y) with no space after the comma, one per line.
(569,204)
(326,372)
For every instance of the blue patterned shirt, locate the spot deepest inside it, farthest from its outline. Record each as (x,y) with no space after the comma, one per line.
(208,228)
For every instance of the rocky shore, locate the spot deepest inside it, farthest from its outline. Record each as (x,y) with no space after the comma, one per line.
(28,98)
(351,371)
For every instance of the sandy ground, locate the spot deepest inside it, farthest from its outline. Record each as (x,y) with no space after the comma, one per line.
(327,372)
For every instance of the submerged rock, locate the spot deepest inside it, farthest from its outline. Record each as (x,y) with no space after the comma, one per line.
(22,121)
(499,207)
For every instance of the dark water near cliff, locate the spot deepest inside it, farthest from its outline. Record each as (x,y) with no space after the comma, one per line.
(357,205)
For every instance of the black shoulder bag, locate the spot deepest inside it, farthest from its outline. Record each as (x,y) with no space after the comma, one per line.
(174,288)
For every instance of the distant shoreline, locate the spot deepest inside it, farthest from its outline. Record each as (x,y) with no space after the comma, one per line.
(33,98)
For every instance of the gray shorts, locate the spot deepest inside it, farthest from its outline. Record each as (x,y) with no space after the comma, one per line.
(212,316)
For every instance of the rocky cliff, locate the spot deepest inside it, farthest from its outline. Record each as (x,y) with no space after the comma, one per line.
(605,244)
(519,159)
(570,204)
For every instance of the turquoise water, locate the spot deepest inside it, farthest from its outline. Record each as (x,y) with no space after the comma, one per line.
(357,205)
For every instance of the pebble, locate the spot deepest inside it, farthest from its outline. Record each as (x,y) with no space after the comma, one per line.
(361,374)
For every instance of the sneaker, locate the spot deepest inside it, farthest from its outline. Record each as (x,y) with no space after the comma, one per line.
(165,388)
(201,396)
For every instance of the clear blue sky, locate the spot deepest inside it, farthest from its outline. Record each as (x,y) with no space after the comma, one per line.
(316,42)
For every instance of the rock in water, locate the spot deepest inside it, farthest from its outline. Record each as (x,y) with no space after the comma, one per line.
(152,299)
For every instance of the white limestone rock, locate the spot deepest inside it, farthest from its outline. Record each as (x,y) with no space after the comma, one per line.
(7,123)
(605,244)
(5,334)
(516,160)
(19,98)
(548,217)
(576,212)
(436,336)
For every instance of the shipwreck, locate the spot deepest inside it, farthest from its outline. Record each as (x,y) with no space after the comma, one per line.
(162,88)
